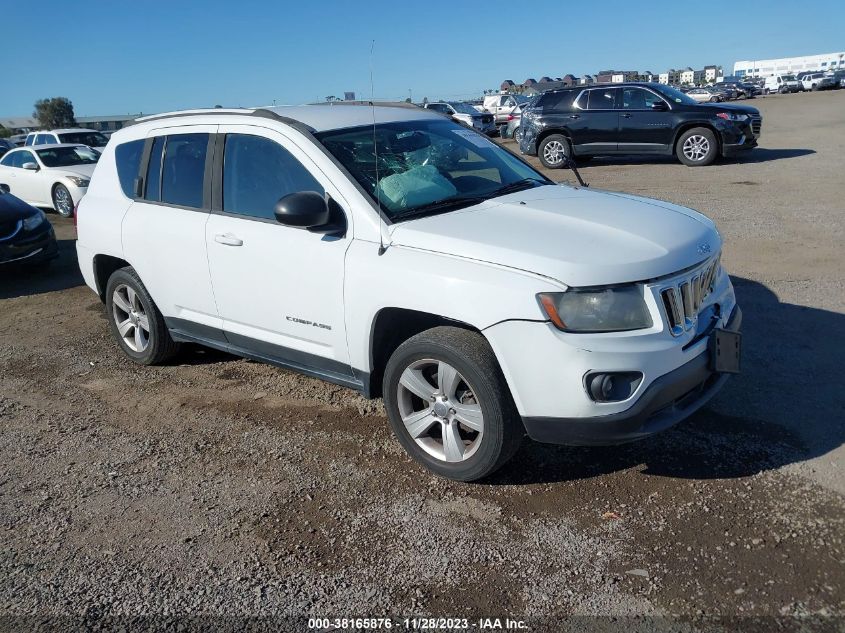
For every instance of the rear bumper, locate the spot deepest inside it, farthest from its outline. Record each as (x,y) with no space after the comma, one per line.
(668,400)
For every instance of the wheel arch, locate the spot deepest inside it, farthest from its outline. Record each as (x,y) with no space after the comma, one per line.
(685,127)
(554,130)
(391,327)
(104,267)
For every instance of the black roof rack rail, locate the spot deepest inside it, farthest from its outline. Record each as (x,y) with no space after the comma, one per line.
(256,112)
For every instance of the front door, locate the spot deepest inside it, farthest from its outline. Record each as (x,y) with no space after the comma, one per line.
(279,289)
(642,129)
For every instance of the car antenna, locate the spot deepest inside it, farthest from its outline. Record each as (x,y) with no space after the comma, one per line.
(381,246)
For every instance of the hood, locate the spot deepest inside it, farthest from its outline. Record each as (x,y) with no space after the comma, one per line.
(13,209)
(729,107)
(579,237)
(75,170)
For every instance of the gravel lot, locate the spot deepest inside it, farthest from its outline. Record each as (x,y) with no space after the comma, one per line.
(221,487)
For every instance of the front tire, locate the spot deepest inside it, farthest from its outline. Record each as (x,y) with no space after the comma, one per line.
(449,405)
(517,135)
(554,151)
(697,147)
(62,201)
(135,321)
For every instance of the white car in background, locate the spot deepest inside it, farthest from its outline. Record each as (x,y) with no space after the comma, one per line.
(53,176)
(81,136)
(810,80)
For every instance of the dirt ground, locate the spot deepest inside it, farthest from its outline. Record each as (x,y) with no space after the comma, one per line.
(220,487)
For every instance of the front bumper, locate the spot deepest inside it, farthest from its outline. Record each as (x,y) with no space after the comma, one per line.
(546,370)
(26,248)
(668,400)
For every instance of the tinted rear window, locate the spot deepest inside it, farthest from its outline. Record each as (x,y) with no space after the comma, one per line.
(555,100)
(183,171)
(128,159)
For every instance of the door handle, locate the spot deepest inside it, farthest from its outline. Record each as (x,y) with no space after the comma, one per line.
(228,239)
(626,115)
(574,116)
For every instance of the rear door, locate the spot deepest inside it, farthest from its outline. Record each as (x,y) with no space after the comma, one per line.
(642,129)
(593,121)
(164,230)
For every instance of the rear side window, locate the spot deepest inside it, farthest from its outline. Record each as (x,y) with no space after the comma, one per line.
(176,170)
(601,99)
(555,100)
(183,170)
(257,172)
(127,156)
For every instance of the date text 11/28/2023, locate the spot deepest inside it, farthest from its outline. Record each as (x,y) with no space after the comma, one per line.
(417,624)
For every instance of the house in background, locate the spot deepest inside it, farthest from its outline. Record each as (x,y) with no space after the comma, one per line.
(686,76)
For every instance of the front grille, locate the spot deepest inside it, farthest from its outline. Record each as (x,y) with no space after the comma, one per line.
(756,125)
(683,299)
(9,229)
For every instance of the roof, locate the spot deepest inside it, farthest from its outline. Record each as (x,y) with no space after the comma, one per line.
(64,130)
(319,118)
(47,145)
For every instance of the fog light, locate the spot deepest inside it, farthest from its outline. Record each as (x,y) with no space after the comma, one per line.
(612,386)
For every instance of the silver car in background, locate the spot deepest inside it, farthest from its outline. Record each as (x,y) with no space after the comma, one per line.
(466,114)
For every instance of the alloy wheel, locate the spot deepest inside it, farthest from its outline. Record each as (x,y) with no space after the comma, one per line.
(131,318)
(62,201)
(554,152)
(440,410)
(696,147)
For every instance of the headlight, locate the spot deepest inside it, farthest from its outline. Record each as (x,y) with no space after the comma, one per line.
(33,221)
(732,116)
(597,309)
(79,182)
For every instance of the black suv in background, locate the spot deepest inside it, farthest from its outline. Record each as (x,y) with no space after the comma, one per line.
(634,118)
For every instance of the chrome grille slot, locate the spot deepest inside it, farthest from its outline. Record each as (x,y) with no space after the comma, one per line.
(756,125)
(682,301)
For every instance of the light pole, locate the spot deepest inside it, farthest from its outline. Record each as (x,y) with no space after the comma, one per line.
(410,96)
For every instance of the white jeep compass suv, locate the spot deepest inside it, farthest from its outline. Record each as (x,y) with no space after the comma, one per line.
(398,253)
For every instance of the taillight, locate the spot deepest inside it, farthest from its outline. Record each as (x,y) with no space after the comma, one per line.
(511,117)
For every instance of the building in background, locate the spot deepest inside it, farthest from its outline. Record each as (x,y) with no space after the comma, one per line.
(109,123)
(670,77)
(686,76)
(787,65)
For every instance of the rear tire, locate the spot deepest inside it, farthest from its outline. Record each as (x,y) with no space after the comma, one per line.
(554,150)
(134,320)
(449,404)
(697,147)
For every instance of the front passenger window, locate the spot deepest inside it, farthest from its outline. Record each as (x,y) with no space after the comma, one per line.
(257,172)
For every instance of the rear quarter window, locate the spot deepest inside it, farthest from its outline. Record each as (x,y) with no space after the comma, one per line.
(127,157)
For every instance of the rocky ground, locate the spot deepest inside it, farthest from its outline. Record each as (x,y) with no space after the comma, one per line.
(221,489)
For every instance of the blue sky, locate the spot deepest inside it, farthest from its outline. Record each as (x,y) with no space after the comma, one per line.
(116,57)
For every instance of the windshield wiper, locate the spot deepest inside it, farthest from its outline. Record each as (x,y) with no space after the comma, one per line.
(447,204)
(519,185)
(570,163)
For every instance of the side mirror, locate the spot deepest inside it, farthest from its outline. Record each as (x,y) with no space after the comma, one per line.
(659,106)
(304,209)
(30,166)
